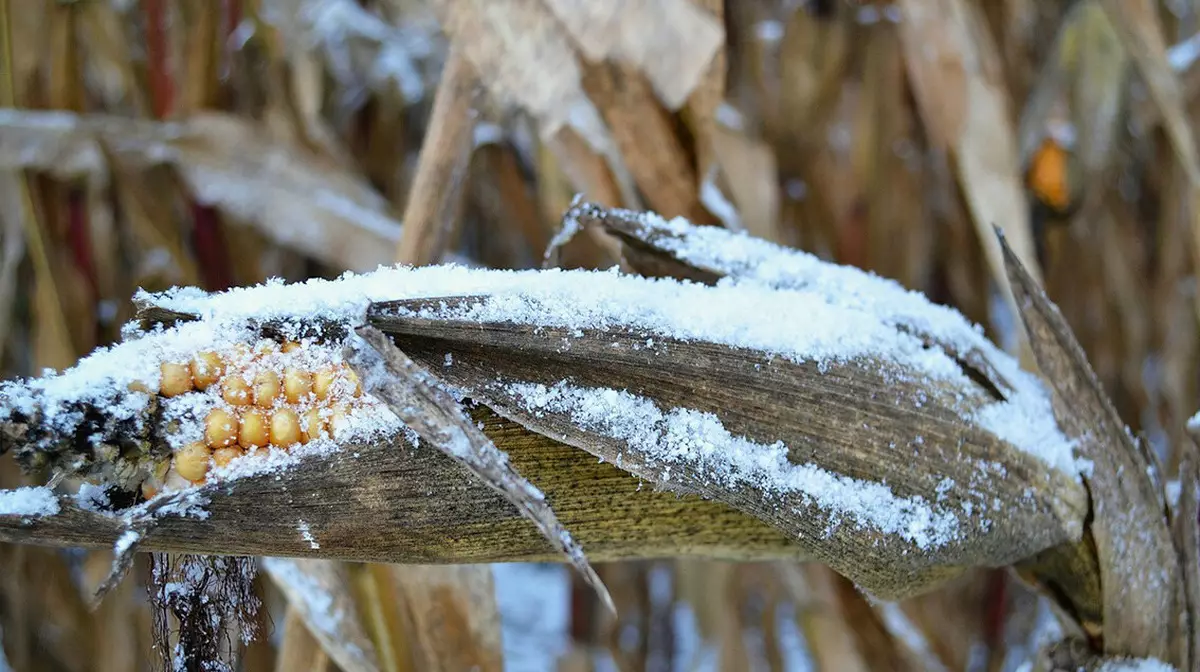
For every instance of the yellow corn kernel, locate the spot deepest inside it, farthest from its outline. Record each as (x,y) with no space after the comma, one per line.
(240,352)
(255,432)
(266,388)
(297,384)
(148,491)
(176,379)
(311,425)
(191,461)
(353,378)
(291,346)
(285,428)
(338,420)
(236,391)
(220,428)
(207,369)
(139,386)
(266,347)
(323,380)
(223,456)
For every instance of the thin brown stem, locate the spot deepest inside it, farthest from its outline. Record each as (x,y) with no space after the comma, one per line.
(436,195)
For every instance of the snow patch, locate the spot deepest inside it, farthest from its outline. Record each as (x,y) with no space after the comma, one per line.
(1136,665)
(125,542)
(698,440)
(29,501)
(306,532)
(1024,419)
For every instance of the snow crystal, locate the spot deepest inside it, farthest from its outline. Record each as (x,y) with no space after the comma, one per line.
(689,437)
(1173,491)
(188,504)
(28,501)
(1025,419)
(125,542)
(91,497)
(1136,665)
(306,532)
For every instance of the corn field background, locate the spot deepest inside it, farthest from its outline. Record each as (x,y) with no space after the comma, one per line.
(146,144)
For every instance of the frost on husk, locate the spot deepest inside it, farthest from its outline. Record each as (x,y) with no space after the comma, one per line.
(881,433)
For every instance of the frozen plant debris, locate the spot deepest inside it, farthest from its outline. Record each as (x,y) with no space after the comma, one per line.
(736,261)
(210,388)
(306,532)
(28,501)
(687,439)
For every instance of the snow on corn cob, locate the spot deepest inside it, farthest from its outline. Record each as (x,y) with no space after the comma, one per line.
(181,406)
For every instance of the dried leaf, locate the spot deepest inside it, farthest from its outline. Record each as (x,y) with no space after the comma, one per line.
(748,166)
(672,41)
(295,198)
(299,650)
(960,91)
(320,593)
(432,512)
(435,198)
(708,379)
(518,49)
(421,401)
(1139,571)
(645,136)
(455,624)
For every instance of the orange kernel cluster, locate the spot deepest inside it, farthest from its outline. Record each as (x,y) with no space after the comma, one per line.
(267,403)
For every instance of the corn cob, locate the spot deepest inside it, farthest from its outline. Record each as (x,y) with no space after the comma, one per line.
(193,418)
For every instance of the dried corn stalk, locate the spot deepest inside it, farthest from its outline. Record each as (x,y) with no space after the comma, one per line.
(294,197)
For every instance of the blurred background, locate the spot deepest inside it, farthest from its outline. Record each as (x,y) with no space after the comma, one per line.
(152,143)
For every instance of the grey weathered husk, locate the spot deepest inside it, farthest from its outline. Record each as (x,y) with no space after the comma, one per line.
(853,419)
(419,399)
(1142,598)
(393,502)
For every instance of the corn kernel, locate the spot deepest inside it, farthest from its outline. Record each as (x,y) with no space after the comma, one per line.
(207,369)
(1049,176)
(176,379)
(148,491)
(236,391)
(323,380)
(297,384)
(240,352)
(312,424)
(353,378)
(266,347)
(285,428)
(223,456)
(338,420)
(266,388)
(191,461)
(220,428)
(139,386)
(254,430)
(291,346)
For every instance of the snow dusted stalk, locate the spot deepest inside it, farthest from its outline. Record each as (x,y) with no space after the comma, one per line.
(420,400)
